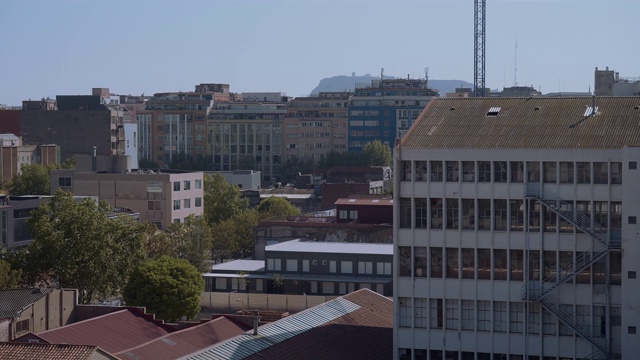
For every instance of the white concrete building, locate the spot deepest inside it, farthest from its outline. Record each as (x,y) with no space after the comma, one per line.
(516,231)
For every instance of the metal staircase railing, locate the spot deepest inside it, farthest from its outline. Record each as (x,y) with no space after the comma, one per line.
(552,305)
(566,273)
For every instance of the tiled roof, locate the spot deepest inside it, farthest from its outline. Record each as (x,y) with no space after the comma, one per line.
(14,301)
(186,341)
(112,332)
(536,122)
(354,326)
(25,351)
(331,247)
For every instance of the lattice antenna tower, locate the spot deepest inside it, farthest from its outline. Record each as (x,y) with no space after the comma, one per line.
(480,7)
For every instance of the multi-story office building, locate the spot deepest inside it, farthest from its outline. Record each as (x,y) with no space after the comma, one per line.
(161,198)
(78,123)
(173,125)
(609,83)
(385,110)
(247,136)
(516,228)
(316,125)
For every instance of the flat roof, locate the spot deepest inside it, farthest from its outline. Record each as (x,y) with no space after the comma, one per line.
(239,265)
(331,247)
(287,196)
(371,202)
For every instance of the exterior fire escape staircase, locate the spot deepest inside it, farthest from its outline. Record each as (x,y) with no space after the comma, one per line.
(541,292)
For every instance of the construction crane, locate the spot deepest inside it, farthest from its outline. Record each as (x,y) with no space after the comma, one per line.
(480,7)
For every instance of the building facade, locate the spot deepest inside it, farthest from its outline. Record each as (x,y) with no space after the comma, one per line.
(159,198)
(316,125)
(385,110)
(514,230)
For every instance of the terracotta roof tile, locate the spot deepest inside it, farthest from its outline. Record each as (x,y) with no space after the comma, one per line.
(24,351)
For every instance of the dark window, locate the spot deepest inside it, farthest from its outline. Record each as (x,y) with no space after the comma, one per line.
(631,274)
(22,326)
(632,220)
(64,181)
(631,330)
(633,165)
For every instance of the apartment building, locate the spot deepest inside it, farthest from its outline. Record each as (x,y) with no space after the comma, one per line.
(316,125)
(247,136)
(515,230)
(173,125)
(75,122)
(385,110)
(609,83)
(161,198)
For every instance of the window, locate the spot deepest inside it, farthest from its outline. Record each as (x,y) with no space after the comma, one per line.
(517,172)
(346,267)
(186,203)
(176,186)
(484,214)
(420,261)
(436,170)
(633,165)
(176,221)
(484,315)
(406,171)
(292,265)
(516,266)
(453,218)
(452,316)
(435,313)
(405,261)
(584,172)
(468,315)
(198,202)
(198,184)
(305,265)
(22,326)
(550,172)
(631,330)
(500,316)
(405,213)
(566,172)
(468,264)
(405,312)
(64,181)
(187,185)
(500,220)
(517,215)
(468,171)
(153,205)
(436,213)
(176,204)
(533,171)
(422,313)
(484,171)
(616,173)
(452,171)
(631,220)
(353,214)
(516,317)
(365,267)
(484,264)
(468,214)
(436,262)
(500,171)
(499,264)
(421,171)
(600,173)
(453,270)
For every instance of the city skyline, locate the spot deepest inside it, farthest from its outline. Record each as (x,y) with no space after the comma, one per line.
(69,47)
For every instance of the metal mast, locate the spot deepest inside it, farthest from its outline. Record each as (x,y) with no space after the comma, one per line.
(480,7)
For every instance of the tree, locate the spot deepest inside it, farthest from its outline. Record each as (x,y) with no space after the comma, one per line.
(247,163)
(278,282)
(158,243)
(295,165)
(193,240)
(169,288)
(76,245)
(147,164)
(222,200)
(276,206)
(233,238)
(9,278)
(376,154)
(33,179)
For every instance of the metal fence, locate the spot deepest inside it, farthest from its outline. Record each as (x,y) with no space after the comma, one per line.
(217,302)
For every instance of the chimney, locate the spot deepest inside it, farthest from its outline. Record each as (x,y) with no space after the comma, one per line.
(256,322)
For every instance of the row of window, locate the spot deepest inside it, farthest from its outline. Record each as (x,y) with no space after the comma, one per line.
(177,220)
(514,171)
(187,185)
(346,267)
(502,264)
(421,354)
(186,203)
(500,316)
(503,215)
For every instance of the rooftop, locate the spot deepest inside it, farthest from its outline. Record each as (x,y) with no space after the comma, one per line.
(239,265)
(529,123)
(14,301)
(25,351)
(354,326)
(331,247)
(370,202)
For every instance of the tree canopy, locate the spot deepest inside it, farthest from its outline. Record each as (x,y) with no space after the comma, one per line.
(222,200)
(276,206)
(33,179)
(77,245)
(9,278)
(193,241)
(169,288)
(233,238)
(376,154)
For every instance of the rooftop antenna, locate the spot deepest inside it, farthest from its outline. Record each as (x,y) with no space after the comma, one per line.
(426,77)
(515,72)
(381,73)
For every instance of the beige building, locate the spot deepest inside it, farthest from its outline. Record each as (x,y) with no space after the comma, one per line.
(316,125)
(160,198)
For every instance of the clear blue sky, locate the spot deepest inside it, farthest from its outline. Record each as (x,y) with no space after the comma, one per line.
(67,47)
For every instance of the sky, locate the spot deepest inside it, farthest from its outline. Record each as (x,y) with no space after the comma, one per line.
(57,47)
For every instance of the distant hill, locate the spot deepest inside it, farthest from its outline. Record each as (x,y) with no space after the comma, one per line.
(348,83)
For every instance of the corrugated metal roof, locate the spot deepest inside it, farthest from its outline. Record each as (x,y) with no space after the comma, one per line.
(240,265)
(331,247)
(271,334)
(537,122)
(112,332)
(14,301)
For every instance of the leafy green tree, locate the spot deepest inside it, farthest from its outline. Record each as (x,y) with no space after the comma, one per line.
(376,154)
(33,179)
(247,163)
(70,163)
(222,200)
(9,278)
(169,288)
(194,240)
(147,164)
(76,245)
(278,282)
(233,238)
(158,243)
(276,206)
(295,165)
